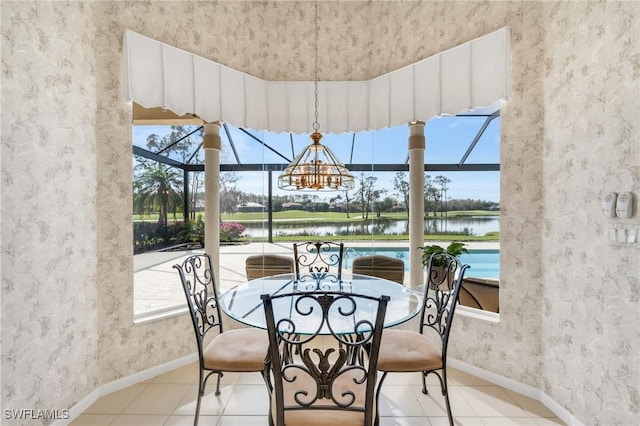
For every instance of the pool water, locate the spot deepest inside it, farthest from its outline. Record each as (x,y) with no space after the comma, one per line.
(483,263)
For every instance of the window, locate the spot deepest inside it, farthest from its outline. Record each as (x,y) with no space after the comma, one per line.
(462,198)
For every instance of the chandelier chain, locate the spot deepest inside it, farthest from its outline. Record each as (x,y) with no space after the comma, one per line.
(316,125)
(316,168)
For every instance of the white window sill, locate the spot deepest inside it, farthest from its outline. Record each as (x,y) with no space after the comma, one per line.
(160,314)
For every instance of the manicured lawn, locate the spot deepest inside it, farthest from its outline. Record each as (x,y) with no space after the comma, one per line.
(493,236)
(339,217)
(323,217)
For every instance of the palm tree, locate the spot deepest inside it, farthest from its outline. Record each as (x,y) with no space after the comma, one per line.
(159,185)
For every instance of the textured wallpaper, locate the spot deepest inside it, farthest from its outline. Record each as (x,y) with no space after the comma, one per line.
(568,322)
(49,253)
(591,146)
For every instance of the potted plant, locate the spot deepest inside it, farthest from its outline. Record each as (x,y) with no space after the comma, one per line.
(454,249)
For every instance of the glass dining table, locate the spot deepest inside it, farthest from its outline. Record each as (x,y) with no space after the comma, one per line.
(243,303)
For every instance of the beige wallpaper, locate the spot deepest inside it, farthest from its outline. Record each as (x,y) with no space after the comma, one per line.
(49,254)
(562,329)
(591,296)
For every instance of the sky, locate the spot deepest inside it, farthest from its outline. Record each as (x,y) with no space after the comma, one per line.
(447,139)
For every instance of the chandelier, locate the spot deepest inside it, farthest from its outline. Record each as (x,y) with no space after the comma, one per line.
(316,168)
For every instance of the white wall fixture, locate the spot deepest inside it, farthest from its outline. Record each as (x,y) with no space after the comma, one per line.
(620,206)
(609,205)
(624,205)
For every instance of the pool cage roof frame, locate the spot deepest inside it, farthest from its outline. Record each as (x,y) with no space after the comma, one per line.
(188,167)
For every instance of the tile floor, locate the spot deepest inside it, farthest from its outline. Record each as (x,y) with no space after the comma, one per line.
(170,399)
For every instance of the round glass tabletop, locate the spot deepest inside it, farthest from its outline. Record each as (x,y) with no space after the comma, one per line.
(243,302)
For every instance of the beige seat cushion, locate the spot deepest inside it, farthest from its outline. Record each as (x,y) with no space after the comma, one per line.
(322,417)
(237,350)
(405,351)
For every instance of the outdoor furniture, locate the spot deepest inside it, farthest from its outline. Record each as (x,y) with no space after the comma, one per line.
(318,258)
(322,386)
(242,350)
(407,351)
(480,293)
(263,265)
(379,266)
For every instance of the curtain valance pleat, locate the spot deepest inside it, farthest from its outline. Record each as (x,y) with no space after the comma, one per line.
(474,74)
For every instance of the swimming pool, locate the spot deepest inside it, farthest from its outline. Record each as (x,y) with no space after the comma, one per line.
(484,263)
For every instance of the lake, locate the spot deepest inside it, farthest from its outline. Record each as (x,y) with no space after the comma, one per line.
(471,225)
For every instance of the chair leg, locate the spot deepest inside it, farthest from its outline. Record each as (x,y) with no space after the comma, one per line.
(267,378)
(424,383)
(202,383)
(218,384)
(197,416)
(445,392)
(377,418)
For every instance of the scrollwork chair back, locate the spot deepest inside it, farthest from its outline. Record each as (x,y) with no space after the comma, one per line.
(406,350)
(242,350)
(318,260)
(321,378)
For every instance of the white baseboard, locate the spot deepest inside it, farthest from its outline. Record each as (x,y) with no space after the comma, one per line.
(505,382)
(122,383)
(526,390)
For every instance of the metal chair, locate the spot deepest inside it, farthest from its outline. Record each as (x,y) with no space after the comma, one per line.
(315,259)
(322,386)
(242,350)
(407,351)
(265,265)
(385,267)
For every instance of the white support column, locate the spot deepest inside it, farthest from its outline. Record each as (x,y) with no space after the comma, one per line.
(212,145)
(416,202)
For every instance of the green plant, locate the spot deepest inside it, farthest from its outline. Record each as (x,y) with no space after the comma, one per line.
(193,231)
(454,249)
(230,231)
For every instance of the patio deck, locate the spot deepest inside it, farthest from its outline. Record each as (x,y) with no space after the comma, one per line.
(157,286)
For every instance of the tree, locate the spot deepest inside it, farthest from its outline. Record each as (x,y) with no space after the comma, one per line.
(229,194)
(385,205)
(401,186)
(194,194)
(442,181)
(159,185)
(179,142)
(368,194)
(346,202)
(431,195)
(335,201)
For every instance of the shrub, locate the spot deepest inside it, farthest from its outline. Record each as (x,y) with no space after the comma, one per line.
(193,231)
(230,231)
(149,236)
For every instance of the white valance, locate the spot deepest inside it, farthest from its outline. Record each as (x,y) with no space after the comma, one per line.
(474,74)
